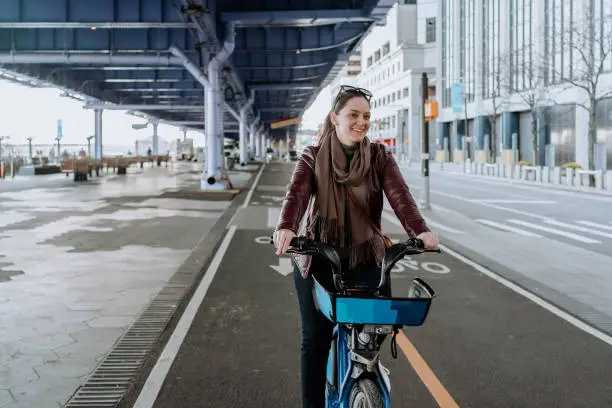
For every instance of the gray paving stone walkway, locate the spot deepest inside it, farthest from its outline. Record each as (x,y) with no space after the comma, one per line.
(78,264)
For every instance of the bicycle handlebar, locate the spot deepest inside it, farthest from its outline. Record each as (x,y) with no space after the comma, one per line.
(306,246)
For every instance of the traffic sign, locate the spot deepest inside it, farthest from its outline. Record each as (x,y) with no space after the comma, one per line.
(431,110)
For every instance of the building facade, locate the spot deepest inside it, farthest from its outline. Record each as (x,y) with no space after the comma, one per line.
(393,57)
(511,75)
(348,75)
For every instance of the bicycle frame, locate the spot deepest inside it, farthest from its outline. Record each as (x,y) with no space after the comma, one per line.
(341,367)
(359,317)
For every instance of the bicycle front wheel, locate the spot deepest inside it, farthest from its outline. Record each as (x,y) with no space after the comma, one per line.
(365,394)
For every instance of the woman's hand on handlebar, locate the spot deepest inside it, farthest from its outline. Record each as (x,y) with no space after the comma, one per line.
(430,241)
(282,239)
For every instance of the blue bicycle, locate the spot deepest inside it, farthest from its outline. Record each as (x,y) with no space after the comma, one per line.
(363,318)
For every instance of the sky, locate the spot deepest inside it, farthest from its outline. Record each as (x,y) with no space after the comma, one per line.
(33,112)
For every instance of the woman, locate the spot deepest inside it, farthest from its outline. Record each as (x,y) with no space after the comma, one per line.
(339,185)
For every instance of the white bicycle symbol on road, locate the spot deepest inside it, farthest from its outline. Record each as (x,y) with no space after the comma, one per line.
(407,263)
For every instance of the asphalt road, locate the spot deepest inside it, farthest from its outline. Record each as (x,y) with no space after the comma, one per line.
(486,344)
(576,218)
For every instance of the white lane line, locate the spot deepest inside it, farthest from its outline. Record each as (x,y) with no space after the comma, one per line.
(391,218)
(508,228)
(156,378)
(581,229)
(502,201)
(252,190)
(534,298)
(497,207)
(595,225)
(441,226)
(556,231)
(273,214)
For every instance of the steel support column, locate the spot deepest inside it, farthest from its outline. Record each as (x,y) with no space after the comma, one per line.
(253,136)
(213,170)
(155,147)
(214,133)
(98,134)
(244,156)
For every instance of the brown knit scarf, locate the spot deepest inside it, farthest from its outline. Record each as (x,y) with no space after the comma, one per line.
(330,219)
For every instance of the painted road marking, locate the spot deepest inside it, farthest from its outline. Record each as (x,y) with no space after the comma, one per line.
(252,190)
(502,201)
(581,229)
(508,228)
(408,263)
(595,225)
(156,378)
(425,373)
(556,231)
(433,224)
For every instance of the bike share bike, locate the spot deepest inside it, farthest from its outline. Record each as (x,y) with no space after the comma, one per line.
(363,318)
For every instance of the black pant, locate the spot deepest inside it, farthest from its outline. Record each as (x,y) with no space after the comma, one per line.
(317,330)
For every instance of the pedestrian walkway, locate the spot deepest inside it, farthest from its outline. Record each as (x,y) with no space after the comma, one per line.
(79,262)
(486,343)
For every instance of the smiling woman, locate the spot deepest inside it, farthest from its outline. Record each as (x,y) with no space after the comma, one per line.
(338,186)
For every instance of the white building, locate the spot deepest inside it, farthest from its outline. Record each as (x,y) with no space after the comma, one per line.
(393,58)
(348,75)
(512,57)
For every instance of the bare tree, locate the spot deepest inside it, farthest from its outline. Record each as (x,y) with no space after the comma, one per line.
(527,79)
(590,44)
(493,92)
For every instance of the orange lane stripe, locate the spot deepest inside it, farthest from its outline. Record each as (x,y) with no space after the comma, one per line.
(435,387)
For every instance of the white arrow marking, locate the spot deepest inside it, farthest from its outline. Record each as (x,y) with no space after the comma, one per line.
(284,266)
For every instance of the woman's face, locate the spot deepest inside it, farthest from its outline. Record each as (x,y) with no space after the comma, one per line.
(353,121)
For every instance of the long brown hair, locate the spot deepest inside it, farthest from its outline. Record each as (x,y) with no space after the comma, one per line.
(341,100)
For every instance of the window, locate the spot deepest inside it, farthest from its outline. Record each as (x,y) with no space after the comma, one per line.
(377,56)
(430,30)
(386,48)
(369,61)
(406,92)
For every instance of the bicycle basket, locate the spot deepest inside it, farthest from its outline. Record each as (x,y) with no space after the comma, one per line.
(408,311)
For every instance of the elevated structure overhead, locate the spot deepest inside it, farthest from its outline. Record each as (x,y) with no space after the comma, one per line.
(156,52)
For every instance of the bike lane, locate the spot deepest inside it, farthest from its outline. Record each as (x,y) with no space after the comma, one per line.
(482,344)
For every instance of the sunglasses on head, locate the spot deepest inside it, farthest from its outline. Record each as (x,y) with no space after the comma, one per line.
(353,90)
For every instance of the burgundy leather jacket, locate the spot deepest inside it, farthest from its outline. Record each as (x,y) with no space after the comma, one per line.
(385,176)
